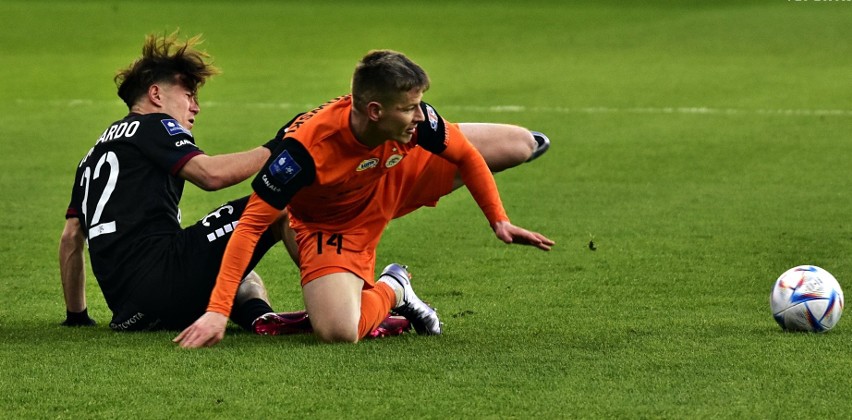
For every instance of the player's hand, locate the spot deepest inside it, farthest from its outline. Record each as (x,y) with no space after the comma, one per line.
(204,332)
(78,319)
(512,234)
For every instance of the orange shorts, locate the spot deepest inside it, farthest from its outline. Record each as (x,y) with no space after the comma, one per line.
(421,179)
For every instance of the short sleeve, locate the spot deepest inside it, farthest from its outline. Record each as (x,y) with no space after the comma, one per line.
(166,142)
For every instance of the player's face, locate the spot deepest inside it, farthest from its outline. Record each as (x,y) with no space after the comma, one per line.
(180,103)
(401,117)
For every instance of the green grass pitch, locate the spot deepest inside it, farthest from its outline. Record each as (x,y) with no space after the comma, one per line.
(703,146)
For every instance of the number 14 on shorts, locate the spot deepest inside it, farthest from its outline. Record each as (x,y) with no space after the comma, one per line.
(334,241)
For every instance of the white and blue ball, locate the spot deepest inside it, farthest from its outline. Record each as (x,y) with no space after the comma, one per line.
(806,298)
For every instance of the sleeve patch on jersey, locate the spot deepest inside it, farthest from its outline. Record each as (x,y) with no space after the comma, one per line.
(284,168)
(432,132)
(174,128)
(433,117)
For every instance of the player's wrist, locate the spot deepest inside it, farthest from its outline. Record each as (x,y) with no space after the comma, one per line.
(225,312)
(502,222)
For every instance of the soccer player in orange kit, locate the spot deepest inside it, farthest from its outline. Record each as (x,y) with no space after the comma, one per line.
(343,171)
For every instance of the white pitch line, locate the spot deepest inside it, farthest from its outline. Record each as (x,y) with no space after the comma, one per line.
(654,110)
(498,109)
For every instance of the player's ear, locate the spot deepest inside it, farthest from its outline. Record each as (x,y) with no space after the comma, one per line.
(374,111)
(155,94)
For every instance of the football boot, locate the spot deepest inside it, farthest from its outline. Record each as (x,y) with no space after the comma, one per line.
(282,323)
(423,318)
(542,144)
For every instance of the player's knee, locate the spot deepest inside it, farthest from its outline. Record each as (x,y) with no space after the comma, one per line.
(526,143)
(335,326)
(518,145)
(337,334)
(251,287)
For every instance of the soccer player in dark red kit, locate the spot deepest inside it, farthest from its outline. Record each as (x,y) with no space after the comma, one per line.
(125,198)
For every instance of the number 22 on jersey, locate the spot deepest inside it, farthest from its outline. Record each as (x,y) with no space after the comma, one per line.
(96,227)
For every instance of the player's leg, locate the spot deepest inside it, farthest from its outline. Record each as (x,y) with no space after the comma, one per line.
(503,146)
(281,323)
(340,309)
(421,316)
(200,252)
(343,301)
(252,308)
(252,299)
(287,236)
(299,322)
(333,302)
(251,287)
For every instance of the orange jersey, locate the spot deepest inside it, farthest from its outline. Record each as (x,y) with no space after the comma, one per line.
(346,170)
(331,182)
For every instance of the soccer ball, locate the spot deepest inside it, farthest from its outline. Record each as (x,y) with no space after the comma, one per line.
(806,298)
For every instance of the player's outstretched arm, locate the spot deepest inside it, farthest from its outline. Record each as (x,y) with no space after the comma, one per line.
(213,173)
(204,332)
(512,234)
(72,270)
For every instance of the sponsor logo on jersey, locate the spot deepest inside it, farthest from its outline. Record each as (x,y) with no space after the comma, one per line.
(393,160)
(368,164)
(182,143)
(269,184)
(174,128)
(433,117)
(284,168)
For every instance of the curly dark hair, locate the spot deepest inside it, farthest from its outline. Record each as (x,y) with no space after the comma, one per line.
(165,59)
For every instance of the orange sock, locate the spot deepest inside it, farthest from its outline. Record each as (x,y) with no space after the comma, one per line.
(375,305)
